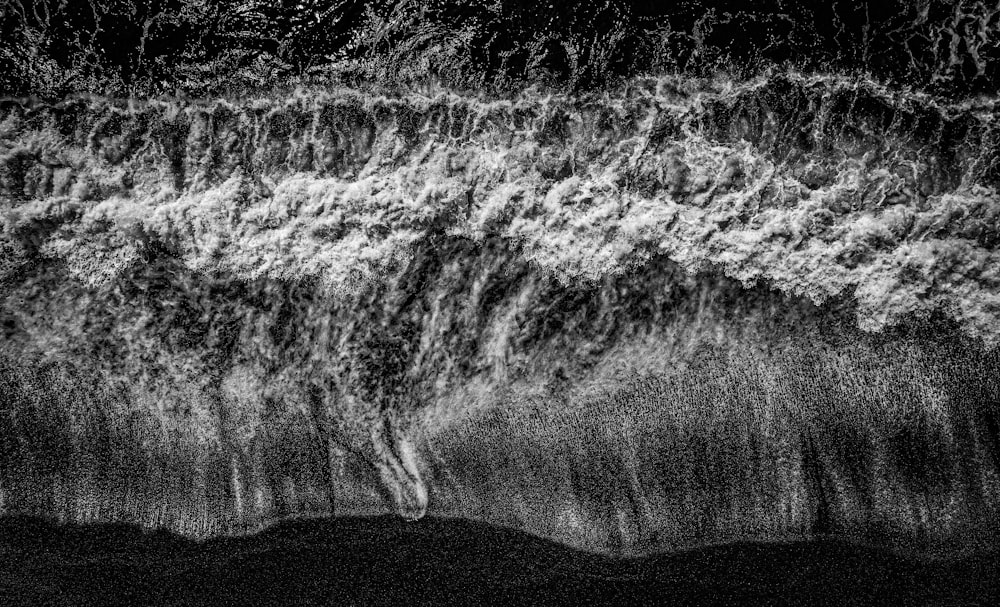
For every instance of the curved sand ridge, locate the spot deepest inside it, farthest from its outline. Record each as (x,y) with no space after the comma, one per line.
(539,311)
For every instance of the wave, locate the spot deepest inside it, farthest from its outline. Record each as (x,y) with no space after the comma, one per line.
(686,312)
(817,185)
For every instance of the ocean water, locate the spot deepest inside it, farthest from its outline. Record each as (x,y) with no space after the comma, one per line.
(692,323)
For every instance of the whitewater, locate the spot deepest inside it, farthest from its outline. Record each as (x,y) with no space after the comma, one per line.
(678,313)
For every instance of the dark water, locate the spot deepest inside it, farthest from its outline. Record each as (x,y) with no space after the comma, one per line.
(384,561)
(125,46)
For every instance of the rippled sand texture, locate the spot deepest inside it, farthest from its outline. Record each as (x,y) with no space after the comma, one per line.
(682,313)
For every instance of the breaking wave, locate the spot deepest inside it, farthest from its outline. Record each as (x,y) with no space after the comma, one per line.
(681,312)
